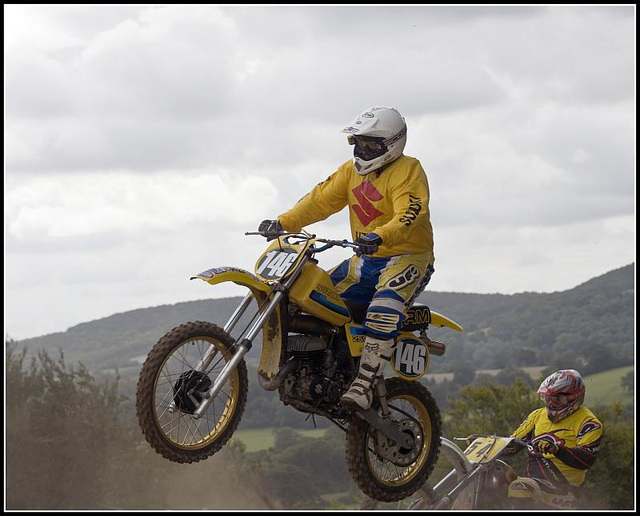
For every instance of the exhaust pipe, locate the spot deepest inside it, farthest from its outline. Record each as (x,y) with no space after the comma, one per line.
(435,347)
(275,382)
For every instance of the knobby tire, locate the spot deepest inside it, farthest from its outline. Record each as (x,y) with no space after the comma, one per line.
(145,393)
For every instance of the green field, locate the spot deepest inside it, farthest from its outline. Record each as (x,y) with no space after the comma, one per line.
(605,388)
(256,439)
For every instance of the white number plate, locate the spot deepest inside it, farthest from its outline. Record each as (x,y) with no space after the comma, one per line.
(411,358)
(276,263)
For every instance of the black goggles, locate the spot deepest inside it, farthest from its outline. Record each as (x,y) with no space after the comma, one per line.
(367,147)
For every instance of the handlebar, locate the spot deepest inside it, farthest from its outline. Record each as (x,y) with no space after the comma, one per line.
(470,438)
(331,243)
(328,243)
(524,444)
(520,442)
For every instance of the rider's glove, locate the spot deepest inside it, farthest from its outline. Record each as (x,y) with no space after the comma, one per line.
(271,228)
(368,244)
(545,446)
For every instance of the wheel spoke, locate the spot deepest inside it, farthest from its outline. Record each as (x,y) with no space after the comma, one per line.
(180,427)
(410,411)
(173,382)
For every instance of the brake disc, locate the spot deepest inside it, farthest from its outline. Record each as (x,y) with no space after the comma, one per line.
(189,390)
(397,454)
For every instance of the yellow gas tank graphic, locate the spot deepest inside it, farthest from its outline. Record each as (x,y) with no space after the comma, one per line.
(313,292)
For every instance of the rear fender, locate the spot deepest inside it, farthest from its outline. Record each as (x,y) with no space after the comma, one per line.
(440,320)
(420,317)
(271,330)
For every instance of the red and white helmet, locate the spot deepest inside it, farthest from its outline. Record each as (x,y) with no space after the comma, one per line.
(379,135)
(562,393)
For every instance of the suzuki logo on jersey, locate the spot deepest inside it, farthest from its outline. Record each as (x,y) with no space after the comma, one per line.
(365,210)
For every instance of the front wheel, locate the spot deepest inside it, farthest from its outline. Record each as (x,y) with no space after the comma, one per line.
(172,383)
(402,472)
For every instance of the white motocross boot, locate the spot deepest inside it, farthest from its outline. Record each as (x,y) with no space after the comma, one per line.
(375,355)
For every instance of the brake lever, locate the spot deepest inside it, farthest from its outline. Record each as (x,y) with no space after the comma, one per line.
(271,235)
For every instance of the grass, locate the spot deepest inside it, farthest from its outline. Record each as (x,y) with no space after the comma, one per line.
(533,372)
(602,388)
(605,388)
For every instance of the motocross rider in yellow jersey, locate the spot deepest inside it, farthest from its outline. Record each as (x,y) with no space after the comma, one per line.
(565,433)
(388,198)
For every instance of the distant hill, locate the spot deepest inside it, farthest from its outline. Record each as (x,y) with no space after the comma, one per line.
(591,325)
(118,340)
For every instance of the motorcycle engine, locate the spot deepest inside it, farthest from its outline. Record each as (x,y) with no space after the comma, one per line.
(500,476)
(313,380)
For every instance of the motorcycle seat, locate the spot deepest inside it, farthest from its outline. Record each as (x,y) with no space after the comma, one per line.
(418,316)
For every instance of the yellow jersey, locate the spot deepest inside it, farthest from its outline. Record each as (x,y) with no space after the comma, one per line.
(393,203)
(577,437)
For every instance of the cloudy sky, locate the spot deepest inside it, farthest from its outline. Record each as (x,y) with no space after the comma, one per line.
(141,142)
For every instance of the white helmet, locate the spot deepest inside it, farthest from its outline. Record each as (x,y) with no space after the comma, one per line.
(379,135)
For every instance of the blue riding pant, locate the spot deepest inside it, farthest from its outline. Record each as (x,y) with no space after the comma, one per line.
(389,285)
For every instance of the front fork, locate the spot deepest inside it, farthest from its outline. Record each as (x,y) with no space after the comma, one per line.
(210,354)
(243,347)
(208,357)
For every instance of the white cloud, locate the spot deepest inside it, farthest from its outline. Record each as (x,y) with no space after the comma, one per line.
(580,156)
(522,258)
(570,55)
(76,206)
(33,23)
(142,141)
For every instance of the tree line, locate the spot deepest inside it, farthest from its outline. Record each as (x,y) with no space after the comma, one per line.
(72,443)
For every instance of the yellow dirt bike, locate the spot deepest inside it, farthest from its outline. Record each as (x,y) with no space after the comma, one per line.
(193,385)
(482,480)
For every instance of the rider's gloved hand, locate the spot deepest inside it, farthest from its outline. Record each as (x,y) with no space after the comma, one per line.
(368,244)
(545,446)
(272,227)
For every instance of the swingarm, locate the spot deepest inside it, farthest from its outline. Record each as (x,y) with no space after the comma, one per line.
(386,426)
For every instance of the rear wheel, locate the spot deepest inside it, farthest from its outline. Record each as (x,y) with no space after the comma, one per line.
(400,472)
(171,386)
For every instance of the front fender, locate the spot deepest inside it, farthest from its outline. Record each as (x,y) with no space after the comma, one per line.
(271,330)
(238,276)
